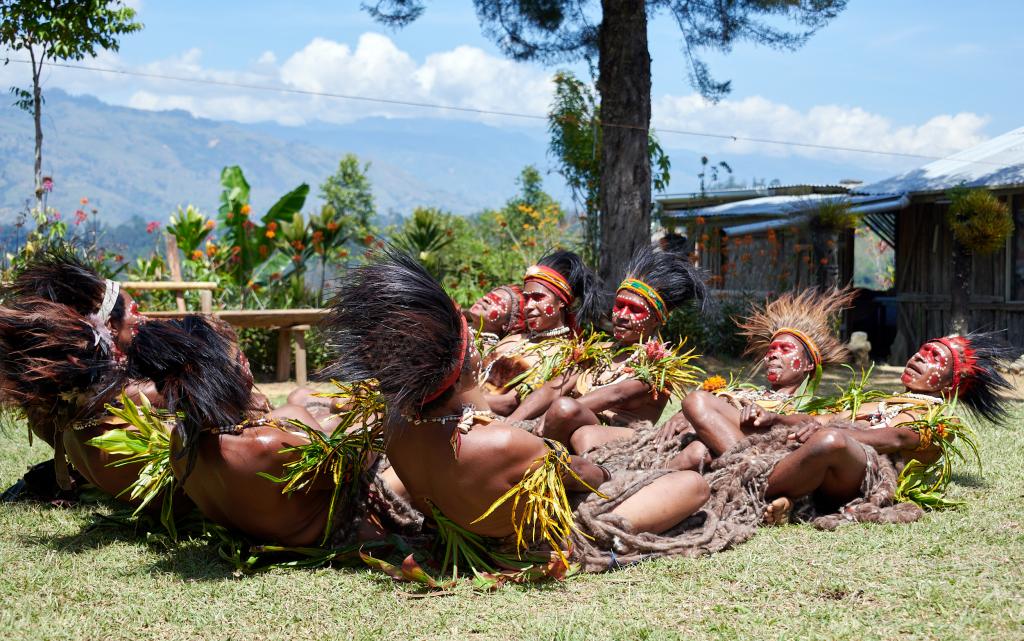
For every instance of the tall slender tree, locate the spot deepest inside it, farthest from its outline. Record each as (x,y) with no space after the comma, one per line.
(58,30)
(615,32)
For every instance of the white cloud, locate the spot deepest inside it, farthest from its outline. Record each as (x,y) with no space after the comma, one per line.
(469,77)
(829,125)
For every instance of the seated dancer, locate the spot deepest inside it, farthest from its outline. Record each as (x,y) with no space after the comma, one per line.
(497,314)
(64,337)
(560,292)
(794,333)
(392,322)
(836,466)
(228,442)
(605,399)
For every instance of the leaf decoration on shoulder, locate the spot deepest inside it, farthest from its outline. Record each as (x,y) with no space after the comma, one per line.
(560,355)
(340,456)
(147,442)
(666,368)
(925,484)
(540,507)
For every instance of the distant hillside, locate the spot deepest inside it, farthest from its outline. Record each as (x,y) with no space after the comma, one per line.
(133,162)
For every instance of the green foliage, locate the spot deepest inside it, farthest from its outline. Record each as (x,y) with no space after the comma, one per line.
(979,221)
(65,30)
(348,193)
(709,171)
(574,125)
(189,228)
(251,243)
(61,30)
(148,444)
(712,331)
(424,236)
(833,214)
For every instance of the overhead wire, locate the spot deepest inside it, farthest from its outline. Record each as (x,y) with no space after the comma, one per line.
(478,111)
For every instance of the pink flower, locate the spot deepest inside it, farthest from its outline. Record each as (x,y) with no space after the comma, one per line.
(80,217)
(656,351)
(152,227)
(47,184)
(55,217)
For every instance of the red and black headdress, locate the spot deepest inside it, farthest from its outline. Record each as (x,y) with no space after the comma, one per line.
(977,382)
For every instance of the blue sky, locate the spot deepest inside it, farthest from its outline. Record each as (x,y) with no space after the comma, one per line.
(922,77)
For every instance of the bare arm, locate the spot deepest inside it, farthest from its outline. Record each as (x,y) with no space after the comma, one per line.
(541,399)
(502,404)
(615,395)
(522,450)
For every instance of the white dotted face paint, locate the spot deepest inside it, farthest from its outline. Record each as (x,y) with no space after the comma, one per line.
(632,318)
(543,308)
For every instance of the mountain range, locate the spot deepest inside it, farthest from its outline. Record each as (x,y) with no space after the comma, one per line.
(132,162)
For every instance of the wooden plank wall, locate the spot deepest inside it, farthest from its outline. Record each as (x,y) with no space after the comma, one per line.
(763,262)
(924,277)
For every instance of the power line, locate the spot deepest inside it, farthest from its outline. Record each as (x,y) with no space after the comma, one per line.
(487,112)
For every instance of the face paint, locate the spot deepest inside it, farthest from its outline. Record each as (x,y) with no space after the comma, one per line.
(543,308)
(929,370)
(493,308)
(784,361)
(632,317)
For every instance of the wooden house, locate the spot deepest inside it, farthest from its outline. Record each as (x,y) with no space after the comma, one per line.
(759,243)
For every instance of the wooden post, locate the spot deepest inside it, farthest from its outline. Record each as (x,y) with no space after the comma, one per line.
(174,263)
(206,301)
(299,333)
(284,354)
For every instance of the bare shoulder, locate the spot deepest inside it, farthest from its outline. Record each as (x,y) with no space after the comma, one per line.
(501,443)
(508,343)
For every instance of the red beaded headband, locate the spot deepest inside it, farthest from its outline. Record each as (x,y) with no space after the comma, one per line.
(963,360)
(552,280)
(452,377)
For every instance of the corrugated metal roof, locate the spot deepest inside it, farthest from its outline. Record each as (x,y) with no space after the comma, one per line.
(684,201)
(998,162)
(786,207)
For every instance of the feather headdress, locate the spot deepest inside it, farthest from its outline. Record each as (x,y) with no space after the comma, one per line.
(809,315)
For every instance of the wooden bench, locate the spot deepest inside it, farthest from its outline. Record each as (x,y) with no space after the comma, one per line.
(290,323)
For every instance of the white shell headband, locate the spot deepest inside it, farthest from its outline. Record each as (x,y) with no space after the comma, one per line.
(99,321)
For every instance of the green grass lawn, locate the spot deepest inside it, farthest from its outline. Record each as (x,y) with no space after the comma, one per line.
(952,575)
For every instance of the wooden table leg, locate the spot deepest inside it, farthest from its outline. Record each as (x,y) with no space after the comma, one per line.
(299,334)
(284,354)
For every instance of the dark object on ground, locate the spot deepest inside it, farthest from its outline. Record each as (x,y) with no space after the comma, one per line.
(40,484)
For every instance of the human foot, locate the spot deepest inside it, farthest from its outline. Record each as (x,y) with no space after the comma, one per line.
(777,512)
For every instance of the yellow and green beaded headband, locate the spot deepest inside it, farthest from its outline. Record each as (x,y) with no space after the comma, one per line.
(649,294)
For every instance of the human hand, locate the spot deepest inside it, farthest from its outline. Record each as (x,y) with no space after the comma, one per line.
(672,428)
(805,431)
(755,417)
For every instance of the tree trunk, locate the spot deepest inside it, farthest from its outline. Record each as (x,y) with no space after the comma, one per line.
(624,82)
(37,116)
(961,290)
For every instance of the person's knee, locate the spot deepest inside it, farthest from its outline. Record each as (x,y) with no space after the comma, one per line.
(694,485)
(563,408)
(695,405)
(299,396)
(580,441)
(827,441)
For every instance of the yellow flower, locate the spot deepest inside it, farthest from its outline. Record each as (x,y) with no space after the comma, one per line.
(210,224)
(713,383)
(245,209)
(197,255)
(271,233)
